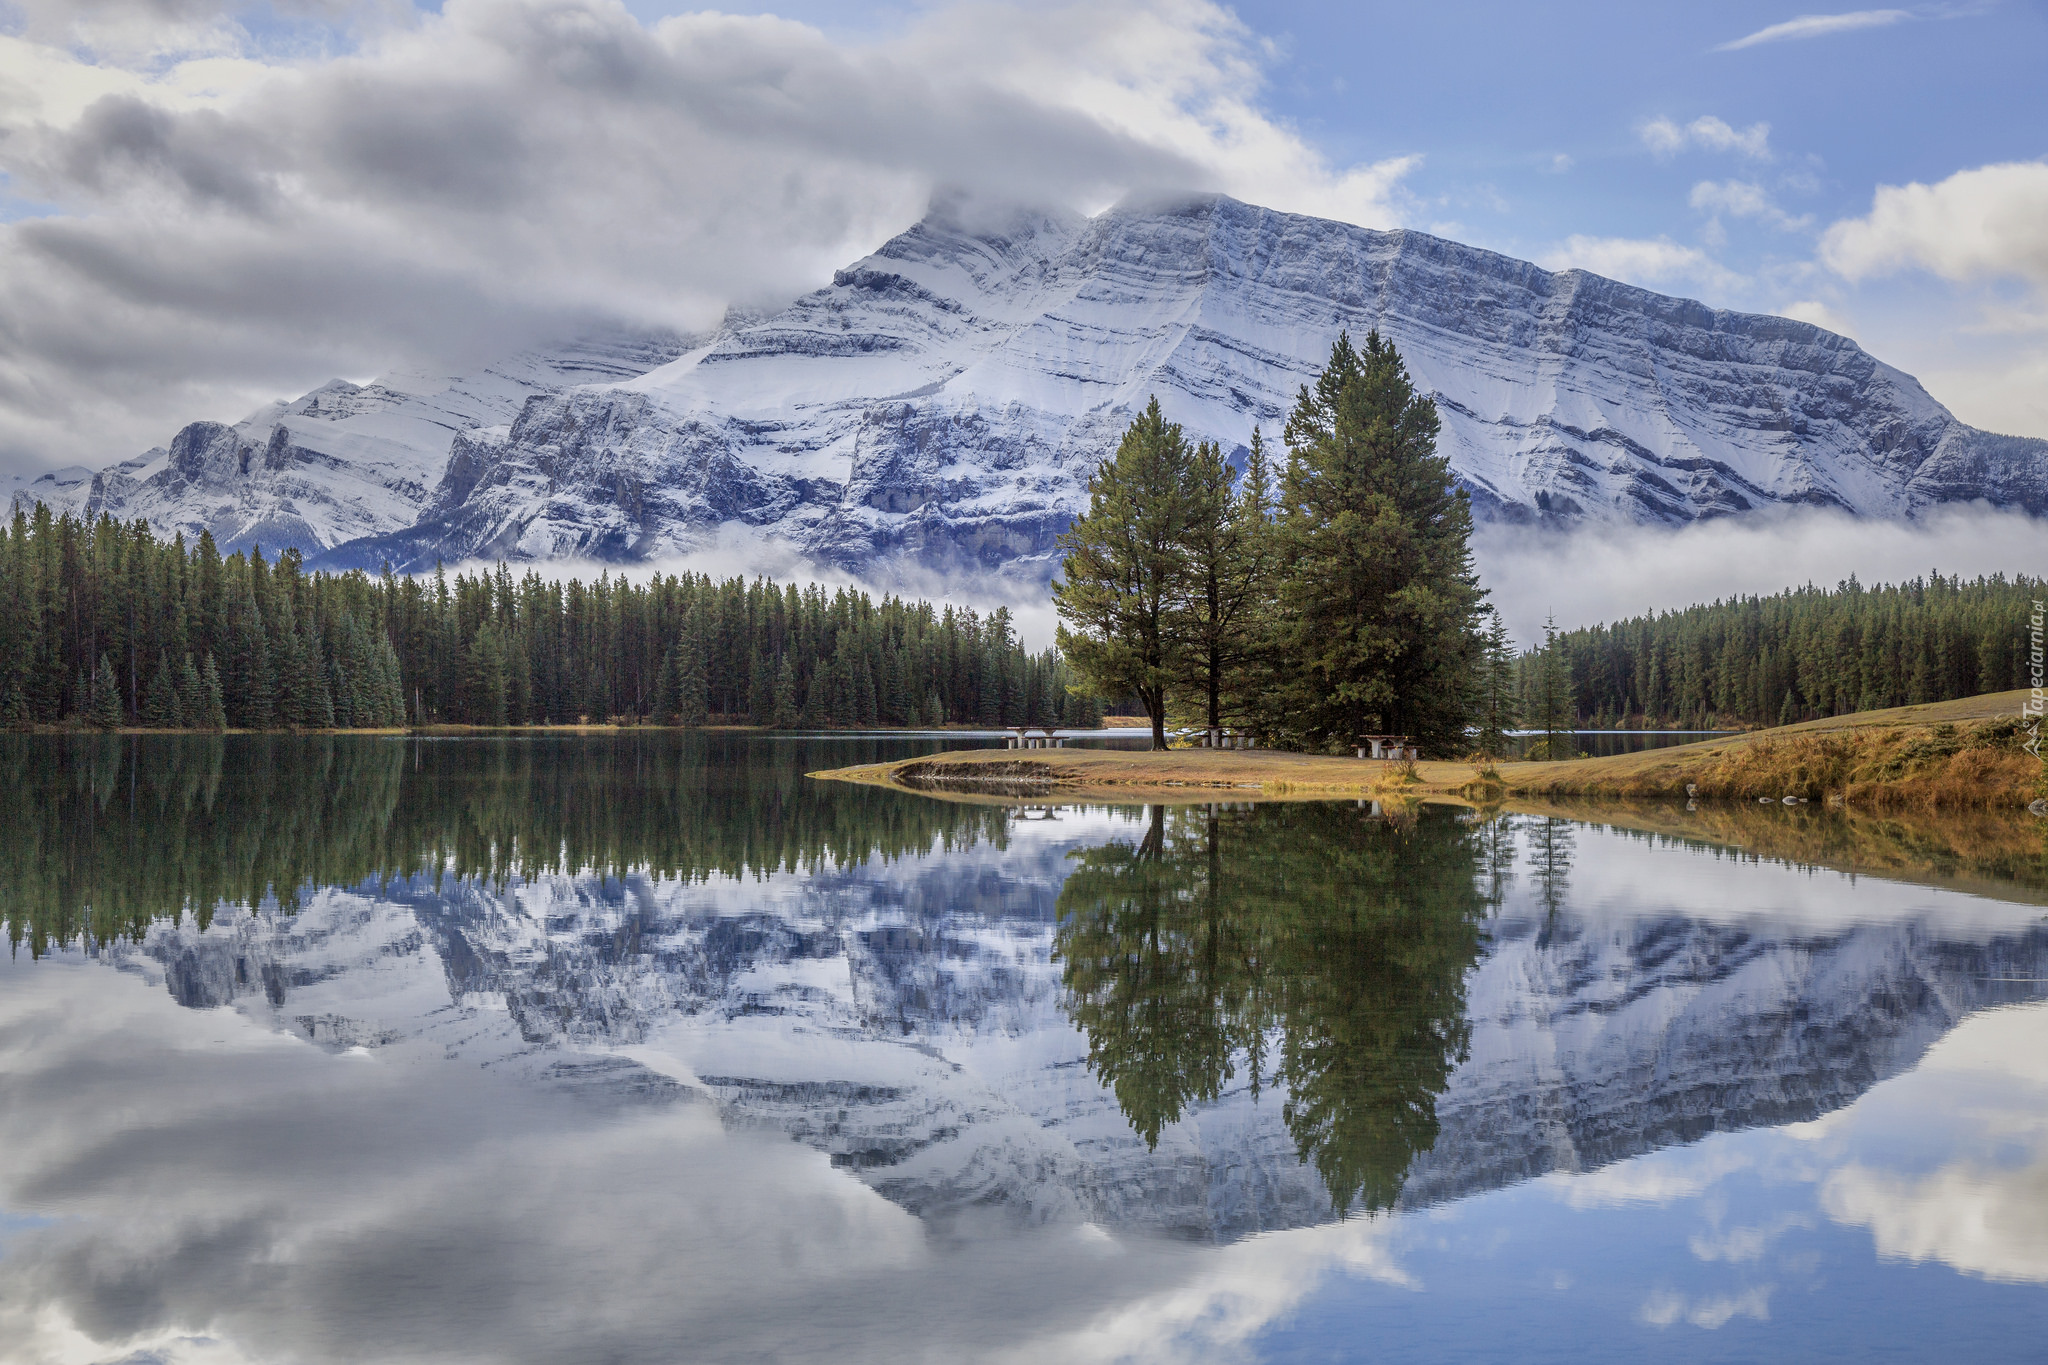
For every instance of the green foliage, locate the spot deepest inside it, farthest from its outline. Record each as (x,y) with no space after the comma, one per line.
(1498,709)
(1378,606)
(1547,696)
(1804,653)
(260,645)
(1312,946)
(1125,575)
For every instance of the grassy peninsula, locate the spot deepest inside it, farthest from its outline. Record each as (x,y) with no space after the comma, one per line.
(1956,755)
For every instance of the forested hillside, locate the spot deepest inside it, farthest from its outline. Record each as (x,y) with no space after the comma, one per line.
(1801,654)
(106,626)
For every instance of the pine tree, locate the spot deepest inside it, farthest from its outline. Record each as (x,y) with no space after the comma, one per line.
(191,697)
(1229,545)
(665,690)
(1378,607)
(213,711)
(692,692)
(160,704)
(784,714)
(104,704)
(1498,711)
(1125,575)
(1548,691)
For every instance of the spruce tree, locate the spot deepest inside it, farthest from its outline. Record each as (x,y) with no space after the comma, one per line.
(1498,709)
(160,703)
(692,690)
(191,697)
(1547,690)
(1378,607)
(665,690)
(104,705)
(1124,577)
(214,712)
(1229,546)
(783,716)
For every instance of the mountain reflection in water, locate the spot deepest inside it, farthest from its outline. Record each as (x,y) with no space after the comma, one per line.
(348,1048)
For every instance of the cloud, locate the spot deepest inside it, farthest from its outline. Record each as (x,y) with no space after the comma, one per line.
(1977,224)
(1654,263)
(1663,1308)
(235,225)
(445,1212)
(1666,138)
(1820,315)
(1978,1205)
(1818,26)
(1745,199)
(1607,574)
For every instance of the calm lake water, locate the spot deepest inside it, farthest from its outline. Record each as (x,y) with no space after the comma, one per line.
(650,1050)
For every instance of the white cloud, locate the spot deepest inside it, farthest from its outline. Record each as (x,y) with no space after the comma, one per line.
(1977,224)
(1981,1208)
(1654,263)
(1818,26)
(232,225)
(1666,138)
(1820,315)
(1744,199)
(1607,574)
(1663,1308)
(1981,226)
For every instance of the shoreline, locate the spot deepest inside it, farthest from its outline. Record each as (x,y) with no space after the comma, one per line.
(1957,755)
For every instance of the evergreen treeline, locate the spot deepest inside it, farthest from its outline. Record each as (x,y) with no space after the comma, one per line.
(1334,600)
(104,625)
(1797,655)
(112,833)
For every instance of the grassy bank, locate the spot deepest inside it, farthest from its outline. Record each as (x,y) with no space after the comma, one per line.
(1959,755)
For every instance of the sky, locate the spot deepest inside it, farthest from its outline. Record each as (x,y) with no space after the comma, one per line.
(205,205)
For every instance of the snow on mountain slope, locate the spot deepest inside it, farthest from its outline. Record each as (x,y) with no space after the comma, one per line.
(941,403)
(342,462)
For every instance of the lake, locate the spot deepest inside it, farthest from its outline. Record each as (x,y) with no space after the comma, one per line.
(648,1049)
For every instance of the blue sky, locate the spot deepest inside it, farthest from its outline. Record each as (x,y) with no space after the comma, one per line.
(1753,155)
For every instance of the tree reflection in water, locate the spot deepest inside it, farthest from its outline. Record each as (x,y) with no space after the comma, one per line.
(1318,947)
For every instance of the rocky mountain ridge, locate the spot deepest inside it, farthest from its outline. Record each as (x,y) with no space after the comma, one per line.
(939,405)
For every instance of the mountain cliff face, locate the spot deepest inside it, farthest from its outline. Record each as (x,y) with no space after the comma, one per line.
(942,402)
(908,1018)
(342,462)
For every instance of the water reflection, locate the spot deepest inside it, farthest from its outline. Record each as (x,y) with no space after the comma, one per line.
(638,1049)
(1321,949)
(113,833)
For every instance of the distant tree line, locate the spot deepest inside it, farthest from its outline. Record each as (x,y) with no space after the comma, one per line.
(105,626)
(1331,598)
(1796,655)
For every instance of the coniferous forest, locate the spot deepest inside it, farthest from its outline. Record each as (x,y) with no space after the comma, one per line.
(106,626)
(1797,655)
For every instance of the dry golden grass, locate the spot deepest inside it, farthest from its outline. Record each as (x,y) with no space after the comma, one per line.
(1948,756)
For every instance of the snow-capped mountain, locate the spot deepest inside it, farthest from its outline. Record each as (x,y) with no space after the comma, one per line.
(942,401)
(342,462)
(908,1017)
